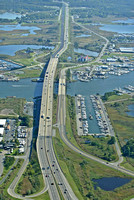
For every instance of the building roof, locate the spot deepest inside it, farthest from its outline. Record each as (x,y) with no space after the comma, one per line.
(127,50)
(21,150)
(1,131)
(2,122)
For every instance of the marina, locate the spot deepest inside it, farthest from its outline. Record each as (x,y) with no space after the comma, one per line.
(101,116)
(102,71)
(98,86)
(6,65)
(82,123)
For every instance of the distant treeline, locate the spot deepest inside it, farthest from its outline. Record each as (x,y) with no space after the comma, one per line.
(120,8)
(102,8)
(26,5)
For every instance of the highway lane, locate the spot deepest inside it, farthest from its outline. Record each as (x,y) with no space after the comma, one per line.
(45,150)
(51,171)
(45,128)
(103,49)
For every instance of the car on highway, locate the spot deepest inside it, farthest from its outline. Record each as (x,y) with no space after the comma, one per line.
(42,116)
(59,183)
(52,183)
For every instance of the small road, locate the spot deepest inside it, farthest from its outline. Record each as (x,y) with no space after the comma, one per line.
(103,49)
(11,189)
(1,163)
(119,100)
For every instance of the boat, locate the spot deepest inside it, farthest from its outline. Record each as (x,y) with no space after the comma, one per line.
(90,117)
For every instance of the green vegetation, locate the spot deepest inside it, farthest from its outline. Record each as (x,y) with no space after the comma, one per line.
(32,180)
(128,149)
(107,95)
(5,170)
(13,105)
(80,171)
(68,74)
(3,188)
(123,126)
(113,96)
(8,161)
(25,121)
(29,73)
(103,148)
(44,196)
(55,102)
(68,53)
(102,8)
(26,6)
(71,128)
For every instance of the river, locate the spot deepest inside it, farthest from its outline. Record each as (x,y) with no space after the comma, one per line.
(25,88)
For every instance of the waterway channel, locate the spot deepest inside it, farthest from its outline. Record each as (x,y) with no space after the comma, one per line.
(131,110)
(11,49)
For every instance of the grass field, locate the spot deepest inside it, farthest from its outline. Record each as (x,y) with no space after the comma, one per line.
(15,105)
(117,97)
(55,102)
(122,123)
(30,73)
(80,171)
(99,147)
(44,196)
(32,181)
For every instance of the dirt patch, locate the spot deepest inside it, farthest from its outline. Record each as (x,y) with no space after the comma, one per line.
(7,112)
(26,186)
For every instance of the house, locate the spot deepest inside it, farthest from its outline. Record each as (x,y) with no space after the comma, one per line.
(83,59)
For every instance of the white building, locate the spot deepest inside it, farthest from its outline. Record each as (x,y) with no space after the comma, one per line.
(1,131)
(21,150)
(127,50)
(2,122)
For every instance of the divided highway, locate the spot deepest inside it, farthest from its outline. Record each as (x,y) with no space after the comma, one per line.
(53,176)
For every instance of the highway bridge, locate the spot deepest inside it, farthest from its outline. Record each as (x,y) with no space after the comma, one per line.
(53,177)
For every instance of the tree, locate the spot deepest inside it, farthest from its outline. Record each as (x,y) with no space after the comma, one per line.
(112,140)
(128,149)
